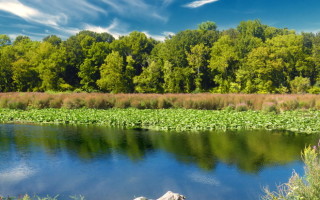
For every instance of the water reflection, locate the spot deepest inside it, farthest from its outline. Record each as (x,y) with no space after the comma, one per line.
(248,151)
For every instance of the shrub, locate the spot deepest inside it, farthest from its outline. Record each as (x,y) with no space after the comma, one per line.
(40,102)
(55,103)
(164,103)
(230,107)
(73,103)
(97,103)
(314,90)
(289,105)
(269,107)
(306,187)
(300,85)
(242,107)
(122,103)
(4,103)
(17,104)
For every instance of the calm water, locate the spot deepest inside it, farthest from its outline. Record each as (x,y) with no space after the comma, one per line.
(103,163)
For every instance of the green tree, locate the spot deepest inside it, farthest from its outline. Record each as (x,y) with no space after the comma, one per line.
(4,40)
(258,72)
(300,85)
(51,65)
(78,49)
(7,57)
(207,26)
(174,49)
(53,39)
(224,62)
(24,75)
(138,46)
(113,74)
(151,79)
(252,28)
(197,59)
(89,69)
(269,69)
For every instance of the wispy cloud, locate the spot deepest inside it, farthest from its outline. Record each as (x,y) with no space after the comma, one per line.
(17,173)
(30,14)
(196,4)
(118,28)
(36,18)
(137,8)
(63,17)
(204,179)
(167,2)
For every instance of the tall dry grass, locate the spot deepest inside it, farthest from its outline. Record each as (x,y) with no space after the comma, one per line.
(205,101)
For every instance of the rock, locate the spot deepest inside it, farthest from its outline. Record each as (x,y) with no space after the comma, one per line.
(140,198)
(167,196)
(172,196)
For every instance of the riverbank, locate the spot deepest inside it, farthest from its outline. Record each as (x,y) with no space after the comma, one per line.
(303,121)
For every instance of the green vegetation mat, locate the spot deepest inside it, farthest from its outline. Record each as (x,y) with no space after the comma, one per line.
(171,119)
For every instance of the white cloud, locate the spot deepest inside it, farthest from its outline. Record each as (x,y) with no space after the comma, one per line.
(204,179)
(30,14)
(68,17)
(156,37)
(167,33)
(161,37)
(196,4)
(53,14)
(116,28)
(17,173)
(68,30)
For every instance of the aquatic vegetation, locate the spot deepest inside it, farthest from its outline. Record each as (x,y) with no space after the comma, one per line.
(306,187)
(171,119)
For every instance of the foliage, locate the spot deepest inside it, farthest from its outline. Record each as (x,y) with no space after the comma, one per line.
(300,85)
(251,58)
(112,76)
(207,26)
(224,61)
(306,187)
(150,80)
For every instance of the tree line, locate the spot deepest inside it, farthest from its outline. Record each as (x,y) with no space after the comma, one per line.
(251,58)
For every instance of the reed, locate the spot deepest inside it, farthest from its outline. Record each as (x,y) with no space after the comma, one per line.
(203,101)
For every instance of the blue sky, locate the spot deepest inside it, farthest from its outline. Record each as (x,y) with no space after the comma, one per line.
(157,18)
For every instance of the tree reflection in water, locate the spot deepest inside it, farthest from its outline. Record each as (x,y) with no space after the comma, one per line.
(250,151)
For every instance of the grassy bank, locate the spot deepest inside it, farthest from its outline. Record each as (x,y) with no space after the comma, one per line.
(171,119)
(203,101)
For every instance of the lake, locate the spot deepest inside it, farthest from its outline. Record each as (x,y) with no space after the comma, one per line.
(108,163)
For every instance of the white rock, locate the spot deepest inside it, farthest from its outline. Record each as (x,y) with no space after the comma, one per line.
(140,198)
(171,196)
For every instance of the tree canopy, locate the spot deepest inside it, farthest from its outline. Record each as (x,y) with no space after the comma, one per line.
(250,58)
